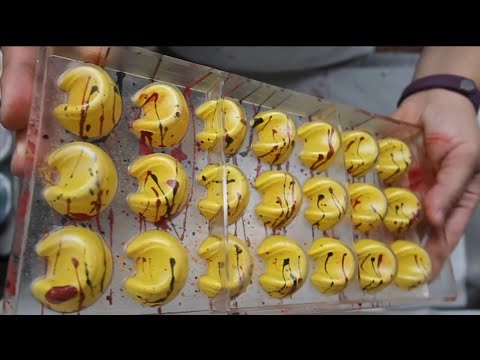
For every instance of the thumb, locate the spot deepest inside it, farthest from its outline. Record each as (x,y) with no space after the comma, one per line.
(456,170)
(17,85)
(409,114)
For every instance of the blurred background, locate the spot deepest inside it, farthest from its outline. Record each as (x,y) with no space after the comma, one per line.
(373,82)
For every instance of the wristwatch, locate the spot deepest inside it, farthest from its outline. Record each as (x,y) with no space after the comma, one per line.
(458,84)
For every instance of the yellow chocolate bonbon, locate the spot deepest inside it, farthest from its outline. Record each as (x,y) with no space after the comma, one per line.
(234,119)
(334,265)
(79,269)
(394,159)
(414,265)
(165,115)
(377,265)
(240,266)
(94,104)
(238,191)
(369,206)
(276,137)
(163,187)
(360,151)
(286,266)
(161,268)
(322,142)
(328,202)
(281,198)
(404,210)
(87,180)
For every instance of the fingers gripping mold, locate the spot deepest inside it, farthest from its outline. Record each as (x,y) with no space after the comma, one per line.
(322,142)
(240,263)
(360,151)
(377,265)
(94,104)
(286,266)
(165,115)
(334,265)
(87,181)
(161,268)
(234,119)
(369,206)
(328,202)
(79,269)
(404,210)
(276,137)
(238,191)
(281,198)
(163,187)
(414,265)
(394,160)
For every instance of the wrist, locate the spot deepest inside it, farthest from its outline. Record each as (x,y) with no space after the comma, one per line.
(433,96)
(437,108)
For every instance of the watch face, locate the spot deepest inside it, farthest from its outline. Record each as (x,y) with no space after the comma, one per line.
(467,85)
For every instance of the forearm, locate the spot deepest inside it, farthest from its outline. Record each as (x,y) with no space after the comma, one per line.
(456,60)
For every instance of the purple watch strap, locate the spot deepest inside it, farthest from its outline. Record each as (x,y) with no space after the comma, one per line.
(455,83)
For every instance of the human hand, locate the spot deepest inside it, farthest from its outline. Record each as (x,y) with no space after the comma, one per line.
(452,140)
(16,89)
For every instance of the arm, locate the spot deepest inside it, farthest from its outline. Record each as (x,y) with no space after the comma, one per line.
(458,60)
(452,139)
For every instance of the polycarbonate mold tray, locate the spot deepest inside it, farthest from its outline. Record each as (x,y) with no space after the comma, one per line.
(252,184)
